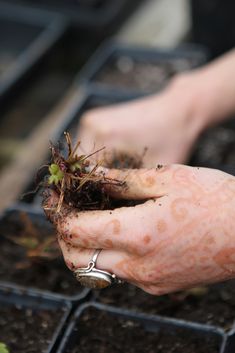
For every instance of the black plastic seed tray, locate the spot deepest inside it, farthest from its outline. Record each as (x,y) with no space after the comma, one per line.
(139,69)
(91,14)
(217,33)
(115,330)
(211,305)
(25,37)
(31,258)
(215,148)
(30,320)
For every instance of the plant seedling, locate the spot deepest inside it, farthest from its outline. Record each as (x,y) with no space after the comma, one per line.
(77,181)
(37,243)
(4,348)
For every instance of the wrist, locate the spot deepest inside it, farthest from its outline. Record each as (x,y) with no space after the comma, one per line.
(201,96)
(213,88)
(186,91)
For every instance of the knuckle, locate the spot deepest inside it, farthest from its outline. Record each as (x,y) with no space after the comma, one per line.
(89,119)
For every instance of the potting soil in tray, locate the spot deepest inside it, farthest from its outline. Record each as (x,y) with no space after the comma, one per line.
(101,332)
(31,257)
(214,305)
(125,72)
(215,147)
(24,330)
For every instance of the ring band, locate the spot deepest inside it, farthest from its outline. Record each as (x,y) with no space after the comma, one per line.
(94,278)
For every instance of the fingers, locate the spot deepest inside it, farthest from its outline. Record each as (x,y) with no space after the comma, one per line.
(122,228)
(79,257)
(111,229)
(140,183)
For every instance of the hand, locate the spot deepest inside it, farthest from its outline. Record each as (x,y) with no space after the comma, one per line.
(167,124)
(181,237)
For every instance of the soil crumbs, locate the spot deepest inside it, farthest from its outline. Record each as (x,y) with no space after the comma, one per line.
(50,275)
(126,72)
(27,331)
(47,271)
(213,305)
(101,332)
(216,146)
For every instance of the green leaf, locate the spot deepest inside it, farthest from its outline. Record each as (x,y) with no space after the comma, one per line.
(54,168)
(56,175)
(3,348)
(60,174)
(53,179)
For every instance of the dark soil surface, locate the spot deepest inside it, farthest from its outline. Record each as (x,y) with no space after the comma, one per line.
(125,72)
(47,272)
(27,331)
(100,332)
(216,147)
(214,305)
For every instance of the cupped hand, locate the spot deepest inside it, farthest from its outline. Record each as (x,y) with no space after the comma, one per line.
(167,124)
(181,237)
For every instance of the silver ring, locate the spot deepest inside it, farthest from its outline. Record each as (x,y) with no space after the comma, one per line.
(92,277)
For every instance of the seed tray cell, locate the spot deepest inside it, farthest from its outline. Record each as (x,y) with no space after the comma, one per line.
(212,305)
(25,37)
(108,329)
(138,69)
(30,255)
(215,148)
(30,322)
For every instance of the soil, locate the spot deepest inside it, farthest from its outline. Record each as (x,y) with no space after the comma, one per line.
(213,305)
(121,160)
(215,147)
(100,332)
(47,272)
(26,330)
(126,72)
(82,188)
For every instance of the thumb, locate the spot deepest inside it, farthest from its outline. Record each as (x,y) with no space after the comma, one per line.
(139,183)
